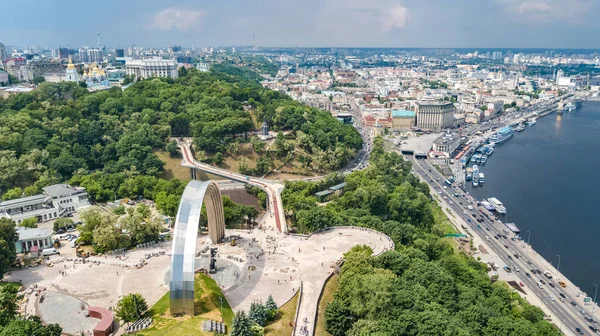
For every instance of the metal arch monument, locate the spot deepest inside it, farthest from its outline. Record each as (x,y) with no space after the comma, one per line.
(183,254)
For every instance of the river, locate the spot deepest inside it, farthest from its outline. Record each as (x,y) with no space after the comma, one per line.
(547,177)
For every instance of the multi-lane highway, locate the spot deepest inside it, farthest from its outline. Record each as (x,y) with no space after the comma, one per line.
(566,313)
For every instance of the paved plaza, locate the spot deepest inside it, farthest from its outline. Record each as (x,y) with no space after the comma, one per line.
(262,262)
(68,311)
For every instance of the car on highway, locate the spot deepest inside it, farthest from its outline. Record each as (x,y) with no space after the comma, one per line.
(517,269)
(594,329)
(579,331)
(505,246)
(550,284)
(562,295)
(574,303)
(542,282)
(587,318)
(517,255)
(540,286)
(509,257)
(496,237)
(551,297)
(528,275)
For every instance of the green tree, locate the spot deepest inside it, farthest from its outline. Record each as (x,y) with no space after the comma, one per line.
(13,80)
(271,308)
(61,223)
(8,304)
(29,222)
(131,307)
(31,325)
(13,193)
(257,330)
(257,144)
(38,80)
(258,313)
(241,324)
(172,148)
(119,210)
(338,319)
(218,158)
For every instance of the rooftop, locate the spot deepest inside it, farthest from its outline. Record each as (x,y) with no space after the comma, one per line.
(59,190)
(434,103)
(403,113)
(31,234)
(21,201)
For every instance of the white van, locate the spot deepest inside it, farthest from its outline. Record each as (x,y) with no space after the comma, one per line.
(487,238)
(50,251)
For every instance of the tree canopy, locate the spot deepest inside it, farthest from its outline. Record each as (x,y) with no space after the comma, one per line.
(422,287)
(60,129)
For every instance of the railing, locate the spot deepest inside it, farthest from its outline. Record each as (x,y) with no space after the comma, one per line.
(297,308)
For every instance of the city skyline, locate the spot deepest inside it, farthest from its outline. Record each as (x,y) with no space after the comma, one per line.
(329,23)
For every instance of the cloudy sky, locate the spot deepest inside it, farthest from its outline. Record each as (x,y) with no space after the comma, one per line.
(341,23)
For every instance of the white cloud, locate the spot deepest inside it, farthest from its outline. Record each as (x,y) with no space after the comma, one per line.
(174,18)
(533,6)
(348,18)
(547,9)
(395,18)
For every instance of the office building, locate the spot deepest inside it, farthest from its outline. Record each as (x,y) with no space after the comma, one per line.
(63,53)
(403,119)
(151,68)
(119,53)
(435,115)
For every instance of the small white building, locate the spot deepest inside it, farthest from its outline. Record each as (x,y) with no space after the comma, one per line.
(28,238)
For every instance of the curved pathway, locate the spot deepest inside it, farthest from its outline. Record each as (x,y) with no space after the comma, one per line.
(273,189)
(318,254)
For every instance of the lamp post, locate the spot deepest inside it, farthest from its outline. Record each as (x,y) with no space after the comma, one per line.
(594,303)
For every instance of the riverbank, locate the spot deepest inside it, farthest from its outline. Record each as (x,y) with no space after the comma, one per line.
(541,176)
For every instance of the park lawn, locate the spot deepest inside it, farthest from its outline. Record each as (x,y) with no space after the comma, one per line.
(207,305)
(16,285)
(442,220)
(331,286)
(285,318)
(173,167)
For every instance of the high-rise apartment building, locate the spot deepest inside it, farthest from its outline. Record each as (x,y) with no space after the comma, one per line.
(95,55)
